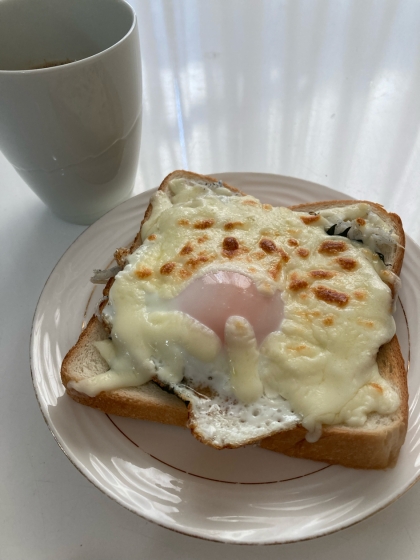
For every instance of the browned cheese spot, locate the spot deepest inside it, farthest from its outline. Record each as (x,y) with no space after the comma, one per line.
(377,387)
(361,221)
(332,247)
(267,207)
(167,268)
(322,274)
(230,247)
(259,255)
(298,348)
(309,315)
(331,296)
(268,245)
(328,320)
(202,239)
(360,295)
(143,273)
(302,252)
(198,261)
(292,242)
(365,323)
(183,222)
(250,202)
(152,237)
(346,263)
(232,225)
(297,283)
(275,270)
(252,269)
(187,249)
(285,257)
(184,274)
(204,224)
(310,219)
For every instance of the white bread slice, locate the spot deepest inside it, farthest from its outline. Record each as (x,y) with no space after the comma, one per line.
(376,445)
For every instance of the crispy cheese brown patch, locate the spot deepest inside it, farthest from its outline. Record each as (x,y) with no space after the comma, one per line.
(275,270)
(292,242)
(259,255)
(143,272)
(267,207)
(322,274)
(183,222)
(230,247)
(328,320)
(232,225)
(167,268)
(285,257)
(310,219)
(347,263)
(360,295)
(250,202)
(202,239)
(302,252)
(187,249)
(297,283)
(332,247)
(204,224)
(198,261)
(298,348)
(152,237)
(267,245)
(184,274)
(331,296)
(365,323)
(309,315)
(361,221)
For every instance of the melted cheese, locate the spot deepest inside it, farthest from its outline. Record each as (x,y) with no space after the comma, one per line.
(321,359)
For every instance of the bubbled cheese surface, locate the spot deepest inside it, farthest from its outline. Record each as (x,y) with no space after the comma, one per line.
(317,366)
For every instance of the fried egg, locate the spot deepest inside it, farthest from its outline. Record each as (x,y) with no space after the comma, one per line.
(253,314)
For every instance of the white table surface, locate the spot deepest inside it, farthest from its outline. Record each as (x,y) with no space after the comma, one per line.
(320,90)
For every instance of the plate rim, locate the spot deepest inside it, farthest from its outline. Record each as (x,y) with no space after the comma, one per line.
(194,531)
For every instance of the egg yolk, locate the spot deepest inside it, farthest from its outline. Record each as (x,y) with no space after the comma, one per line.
(215,297)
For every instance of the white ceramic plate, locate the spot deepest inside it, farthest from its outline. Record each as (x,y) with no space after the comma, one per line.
(162,473)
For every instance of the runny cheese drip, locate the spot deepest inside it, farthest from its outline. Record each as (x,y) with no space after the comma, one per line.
(328,314)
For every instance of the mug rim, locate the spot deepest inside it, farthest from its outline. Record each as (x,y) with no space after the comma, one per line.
(63,67)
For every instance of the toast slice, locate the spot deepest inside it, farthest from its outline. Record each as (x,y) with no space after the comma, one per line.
(376,445)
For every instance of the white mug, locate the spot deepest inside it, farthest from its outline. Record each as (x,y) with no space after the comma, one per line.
(70,101)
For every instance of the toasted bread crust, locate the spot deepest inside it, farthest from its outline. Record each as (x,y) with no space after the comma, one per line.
(369,447)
